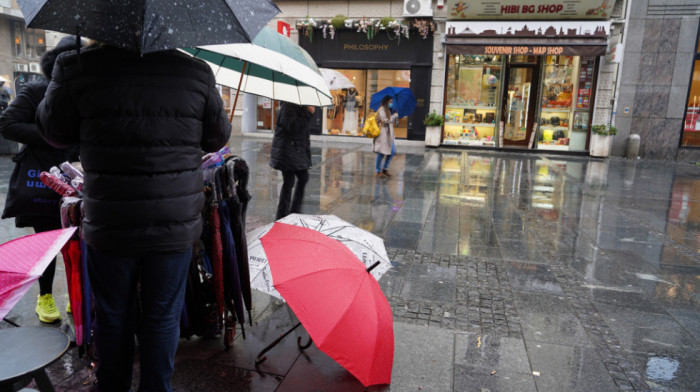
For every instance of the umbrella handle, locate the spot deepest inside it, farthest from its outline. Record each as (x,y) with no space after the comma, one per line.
(260,358)
(303,347)
(373,266)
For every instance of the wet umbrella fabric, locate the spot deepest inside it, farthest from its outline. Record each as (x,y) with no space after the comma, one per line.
(335,80)
(337,301)
(404,101)
(23,260)
(72,257)
(272,66)
(366,246)
(152,25)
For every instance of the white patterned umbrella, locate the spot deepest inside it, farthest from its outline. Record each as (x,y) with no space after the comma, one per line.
(366,246)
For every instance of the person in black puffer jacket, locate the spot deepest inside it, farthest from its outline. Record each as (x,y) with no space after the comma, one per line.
(17,123)
(141,122)
(291,154)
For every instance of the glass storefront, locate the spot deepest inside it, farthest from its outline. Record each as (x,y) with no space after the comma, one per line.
(351,105)
(528,102)
(691,124)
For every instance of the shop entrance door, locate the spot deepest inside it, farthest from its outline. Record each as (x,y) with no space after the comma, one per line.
(518,114)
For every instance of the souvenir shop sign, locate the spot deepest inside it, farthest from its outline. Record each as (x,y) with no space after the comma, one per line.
(529,9)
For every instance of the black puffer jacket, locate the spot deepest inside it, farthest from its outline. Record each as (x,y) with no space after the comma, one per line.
(291,143)
(141,123)
(17,123)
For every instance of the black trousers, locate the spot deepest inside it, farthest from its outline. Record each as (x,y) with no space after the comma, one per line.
(288,204)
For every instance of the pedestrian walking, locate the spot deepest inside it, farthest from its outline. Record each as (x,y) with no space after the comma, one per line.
(384,144)
(31,204)
(141,122)
(291,154)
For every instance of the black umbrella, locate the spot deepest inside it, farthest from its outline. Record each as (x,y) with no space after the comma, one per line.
(152,25)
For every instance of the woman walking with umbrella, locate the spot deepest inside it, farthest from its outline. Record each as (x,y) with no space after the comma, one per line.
(291,154)
(384,144)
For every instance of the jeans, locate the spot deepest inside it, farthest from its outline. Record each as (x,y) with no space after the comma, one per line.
(114,282)
(288,204)
(387,159)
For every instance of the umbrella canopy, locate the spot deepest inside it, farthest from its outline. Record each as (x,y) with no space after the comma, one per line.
(152,25)
(272,66)
(404,101)
(366,246)
(23,260)
(337,301)
(335,80)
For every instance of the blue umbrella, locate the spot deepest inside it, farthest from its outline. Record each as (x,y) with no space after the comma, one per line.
(404,101)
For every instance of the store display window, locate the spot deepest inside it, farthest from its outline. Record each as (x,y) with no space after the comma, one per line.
(566,103)
(473,85)
(691,123)
(351,99)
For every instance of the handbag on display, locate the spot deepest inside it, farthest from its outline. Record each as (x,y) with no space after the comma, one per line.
(26,194)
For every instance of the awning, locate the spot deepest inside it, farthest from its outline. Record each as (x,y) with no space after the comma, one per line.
(528,38)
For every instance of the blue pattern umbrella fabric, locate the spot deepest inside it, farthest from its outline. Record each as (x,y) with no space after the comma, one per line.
(152,25)
(404,101)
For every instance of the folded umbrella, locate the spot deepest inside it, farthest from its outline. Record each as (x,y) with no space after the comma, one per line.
(404,101)
(23,260)
(152,25)
(336,299)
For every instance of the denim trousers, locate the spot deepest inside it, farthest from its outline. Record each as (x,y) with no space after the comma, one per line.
(115,281)
(289,204)
(387,159)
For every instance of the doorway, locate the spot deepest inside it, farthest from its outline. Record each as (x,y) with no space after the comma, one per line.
(519,105)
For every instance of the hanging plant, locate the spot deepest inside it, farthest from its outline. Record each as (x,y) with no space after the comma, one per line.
(338,22)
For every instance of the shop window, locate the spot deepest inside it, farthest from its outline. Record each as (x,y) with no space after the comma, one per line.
(267,113)
(473,83)
(566,103)
(36,43)
(691,124)
(351,99)
(17,39)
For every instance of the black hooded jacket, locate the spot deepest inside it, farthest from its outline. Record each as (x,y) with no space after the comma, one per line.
(291,143)
(141,123)
(18,123)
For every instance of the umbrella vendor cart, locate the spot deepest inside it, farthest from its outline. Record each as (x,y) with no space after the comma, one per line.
(218,292)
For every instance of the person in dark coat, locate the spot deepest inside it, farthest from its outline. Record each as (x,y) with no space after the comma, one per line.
(291,154)
(17,123)
(141,122)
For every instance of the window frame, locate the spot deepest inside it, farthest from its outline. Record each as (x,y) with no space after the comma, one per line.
(693,69)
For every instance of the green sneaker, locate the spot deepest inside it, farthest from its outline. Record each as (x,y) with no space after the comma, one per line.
(68,308)
(46,309)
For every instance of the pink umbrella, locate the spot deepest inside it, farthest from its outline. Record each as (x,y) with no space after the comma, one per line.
(23,260)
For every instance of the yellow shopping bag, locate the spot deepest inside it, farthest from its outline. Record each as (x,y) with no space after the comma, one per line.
(371,128)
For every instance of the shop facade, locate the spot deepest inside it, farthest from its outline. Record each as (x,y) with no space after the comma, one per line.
(358,67)
(523,84)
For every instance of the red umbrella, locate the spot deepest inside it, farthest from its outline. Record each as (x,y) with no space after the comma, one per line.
(337,300)
(23,260)
(72,257)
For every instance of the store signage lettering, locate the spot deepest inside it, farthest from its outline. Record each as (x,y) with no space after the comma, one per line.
(524,50)
(365,47)
(532,9)
(529,9)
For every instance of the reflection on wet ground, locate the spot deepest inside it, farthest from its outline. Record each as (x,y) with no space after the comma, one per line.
(512,272)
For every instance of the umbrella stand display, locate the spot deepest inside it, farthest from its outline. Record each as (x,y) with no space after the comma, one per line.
(261,358)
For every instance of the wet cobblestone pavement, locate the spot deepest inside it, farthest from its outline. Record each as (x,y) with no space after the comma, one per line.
(511,273)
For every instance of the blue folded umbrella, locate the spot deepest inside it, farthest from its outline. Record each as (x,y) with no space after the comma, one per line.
(404,101)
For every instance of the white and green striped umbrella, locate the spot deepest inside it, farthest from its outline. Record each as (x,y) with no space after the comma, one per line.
(272,66)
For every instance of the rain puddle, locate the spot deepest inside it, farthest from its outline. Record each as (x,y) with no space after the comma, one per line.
(661,369)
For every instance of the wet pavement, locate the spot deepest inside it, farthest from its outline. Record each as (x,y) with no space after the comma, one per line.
(512,272)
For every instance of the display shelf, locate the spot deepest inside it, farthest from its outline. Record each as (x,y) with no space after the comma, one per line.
(552,147)
(469,143)
(471,124)
(543,126)
(471,107)
(555,110)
